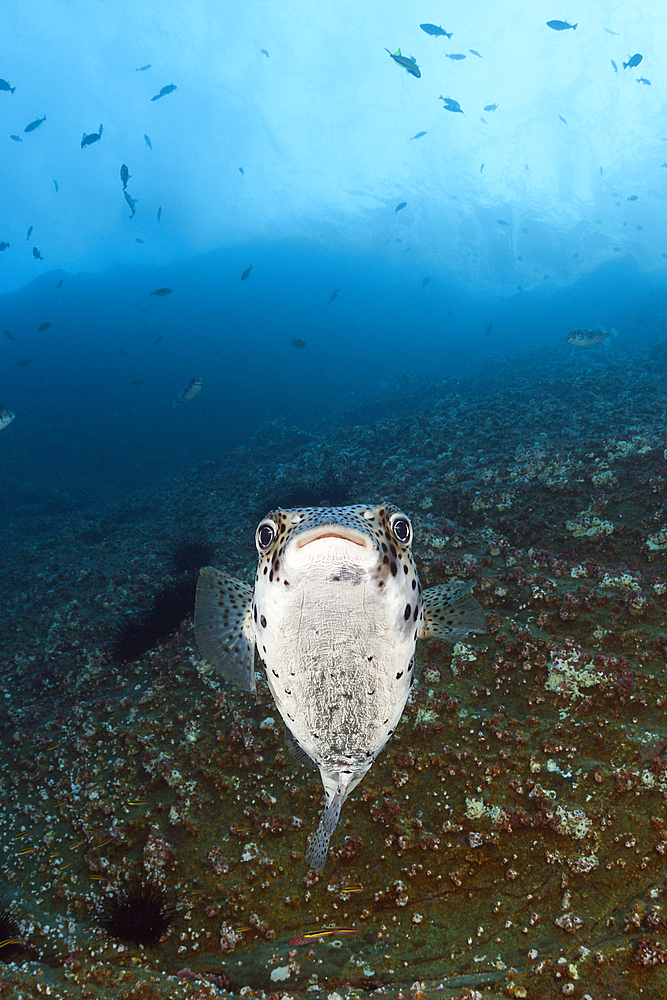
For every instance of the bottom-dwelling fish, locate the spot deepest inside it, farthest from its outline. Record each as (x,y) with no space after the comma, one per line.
(335,613)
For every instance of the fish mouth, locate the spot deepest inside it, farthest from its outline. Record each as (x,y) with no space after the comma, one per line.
(330,531)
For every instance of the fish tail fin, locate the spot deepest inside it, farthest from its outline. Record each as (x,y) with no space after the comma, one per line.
(12,89)
(318,848)
(574,26)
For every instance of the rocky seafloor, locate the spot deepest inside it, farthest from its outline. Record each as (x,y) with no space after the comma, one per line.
(510,841)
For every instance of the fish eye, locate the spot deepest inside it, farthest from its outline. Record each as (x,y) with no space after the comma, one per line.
(401,529)
(266,533)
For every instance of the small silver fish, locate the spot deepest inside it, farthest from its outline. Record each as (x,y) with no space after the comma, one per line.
(191,390)
(6,417)
(335,613)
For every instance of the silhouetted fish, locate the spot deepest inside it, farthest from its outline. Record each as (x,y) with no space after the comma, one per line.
(419,135)
(633,61)
(296,342)
(334,295)
(561,25)
(140,69)
(435,30)
(246,273)
(36,254)
(6,86)
(165,90)
(38,121)
(16,138)
(161,292)
(408,63)
(400,206)
(148,141)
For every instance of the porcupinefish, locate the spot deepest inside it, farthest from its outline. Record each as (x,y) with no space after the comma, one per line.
(590,338)
(335,613)
(192,389)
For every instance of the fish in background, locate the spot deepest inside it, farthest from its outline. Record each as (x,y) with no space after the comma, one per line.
(334,295)
(4,245)
(161,292)
(561,25)
(132,202)
(451,105)
(335,613)
(6,417)
(6,86)
(33,125)
(246,273)
(298,343)
(490,107)
(409,64)
(615,66)
(56,184)
(265,53)
(141,69)
(43,327)
(454,55)
(148,141)
(8,333)
(191,390)
(36,254)
(16,138)
(633,61)
(59,283)
(159,213)
(590,338)
(419,135)
(165,90)
(435,30)
(124,175)
(642,79)
(242,171)
(89,139)
(400,206)
(474,52)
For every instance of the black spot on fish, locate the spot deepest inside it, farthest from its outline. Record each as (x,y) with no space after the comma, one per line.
(399,675)
(407,612)
(263,621)
(394,569)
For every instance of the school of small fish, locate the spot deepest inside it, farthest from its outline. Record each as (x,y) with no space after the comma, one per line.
(335,614)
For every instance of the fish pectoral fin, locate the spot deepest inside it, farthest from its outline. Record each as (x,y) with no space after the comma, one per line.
(223,626)
(450,612)
(297,751)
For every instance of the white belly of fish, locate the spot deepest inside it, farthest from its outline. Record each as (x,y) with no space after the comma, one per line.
(338,658)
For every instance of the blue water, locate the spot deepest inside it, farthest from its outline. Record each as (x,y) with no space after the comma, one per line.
(80,421)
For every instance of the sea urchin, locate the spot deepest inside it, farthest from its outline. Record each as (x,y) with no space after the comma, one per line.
(139,913)
(9,929)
